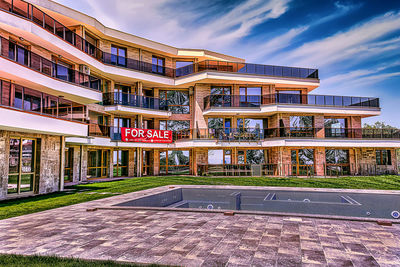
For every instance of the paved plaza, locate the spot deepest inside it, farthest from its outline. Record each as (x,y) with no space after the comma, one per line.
(198,239)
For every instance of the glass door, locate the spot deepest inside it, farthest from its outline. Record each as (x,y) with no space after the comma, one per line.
(120,163)
(250,96)
(68,163)
(21,165)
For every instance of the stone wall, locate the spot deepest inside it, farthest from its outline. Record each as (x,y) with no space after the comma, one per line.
(48,160)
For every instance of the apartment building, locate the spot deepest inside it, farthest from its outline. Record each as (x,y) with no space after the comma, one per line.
(81,101)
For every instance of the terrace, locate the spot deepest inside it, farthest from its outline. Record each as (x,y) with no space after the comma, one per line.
(255,101)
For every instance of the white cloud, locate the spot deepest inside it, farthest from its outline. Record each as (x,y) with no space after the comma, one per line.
(158,20)
(342,46)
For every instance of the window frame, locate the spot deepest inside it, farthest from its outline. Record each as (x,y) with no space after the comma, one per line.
(383,160)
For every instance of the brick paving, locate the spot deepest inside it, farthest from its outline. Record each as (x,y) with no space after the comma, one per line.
(199,239)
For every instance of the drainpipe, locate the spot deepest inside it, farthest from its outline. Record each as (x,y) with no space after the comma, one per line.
(62,159)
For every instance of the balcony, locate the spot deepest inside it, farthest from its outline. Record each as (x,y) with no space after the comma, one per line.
(43,20)
(40,64)
(128,104)
(29,110)
(280,102)
(257,134)
(247,68)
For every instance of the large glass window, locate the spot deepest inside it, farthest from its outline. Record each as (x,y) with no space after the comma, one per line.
(219,156)
(335,127)
(175,101)
(251,156)
(21,165)
(118,56)
(158,65)
(175,162)
(383,157)
(120,162)
(174,125)
(302,161)
(98,163)
(250,96)
(337,161)
(220,96)
(301,126)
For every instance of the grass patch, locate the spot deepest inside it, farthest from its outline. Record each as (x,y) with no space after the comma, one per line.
(36,261)
(88,192)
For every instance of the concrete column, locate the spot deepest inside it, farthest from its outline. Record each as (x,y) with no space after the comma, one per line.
(319,161)
(139,161)
(111,164)
(83,163)
(156,162)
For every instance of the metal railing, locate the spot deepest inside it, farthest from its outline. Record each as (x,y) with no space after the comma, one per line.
(38,63)
(282,98)
(40,18)
(247,68)
(244,134)
(33,101)
(362,133)
(295,170)
(132,100)
(258,134)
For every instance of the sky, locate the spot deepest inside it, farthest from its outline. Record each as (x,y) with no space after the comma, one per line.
(354,44)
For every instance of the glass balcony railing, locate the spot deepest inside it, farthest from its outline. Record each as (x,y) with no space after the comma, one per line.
(132,100)
(25,99)
(40,18)
(40,64)
(258,134)
(247,68)
(280,98)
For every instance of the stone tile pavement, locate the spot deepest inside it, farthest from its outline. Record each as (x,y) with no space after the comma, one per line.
(199,239)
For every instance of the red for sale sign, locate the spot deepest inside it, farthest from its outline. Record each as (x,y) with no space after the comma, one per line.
(145,135)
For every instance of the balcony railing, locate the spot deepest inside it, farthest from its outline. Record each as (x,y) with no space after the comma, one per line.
(247,68)
(295,99)
(29,100)
(38,63)
(309,170)
(364,133)
(132,100)
(37,16)
(258,134)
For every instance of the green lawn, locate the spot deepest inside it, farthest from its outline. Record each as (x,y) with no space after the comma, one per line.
(36,261)
(16,207)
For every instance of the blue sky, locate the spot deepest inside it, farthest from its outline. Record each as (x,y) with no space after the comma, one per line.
(354,44)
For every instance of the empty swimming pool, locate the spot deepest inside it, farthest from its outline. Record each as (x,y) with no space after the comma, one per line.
(343,203)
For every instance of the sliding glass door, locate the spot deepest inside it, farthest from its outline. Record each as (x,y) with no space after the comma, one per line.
(21,165)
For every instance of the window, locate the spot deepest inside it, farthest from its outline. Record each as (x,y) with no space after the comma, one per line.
(250,96)
(383,157)
(98,163)
(118,123)
(220,156)
(122,95)
(174,125)
(21,165)
(175,162)
(68,163)
(63,70)
(120,163)
(301,126)
(251,156)
(302,161)
(118,56)
(158,65)
(220,96)
(175,101)
(337,161)
(335,127)
(90,44)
